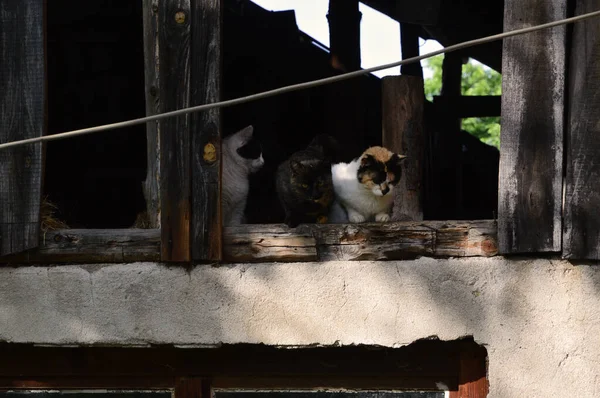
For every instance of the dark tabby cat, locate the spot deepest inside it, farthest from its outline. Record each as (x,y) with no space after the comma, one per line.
(304,183)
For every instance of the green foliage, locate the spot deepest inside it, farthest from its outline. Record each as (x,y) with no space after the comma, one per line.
(476,80)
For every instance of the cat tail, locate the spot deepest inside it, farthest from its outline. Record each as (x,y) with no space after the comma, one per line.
(328,145)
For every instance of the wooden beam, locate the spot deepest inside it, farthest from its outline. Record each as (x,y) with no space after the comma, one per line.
(151,64)
(92,246)
(344,34)
(470,106)
(531,151)
(174,93)
(403,133)
(206,131)
(582,197)
(276,242)
(409,39)
(22,101)
(355,242)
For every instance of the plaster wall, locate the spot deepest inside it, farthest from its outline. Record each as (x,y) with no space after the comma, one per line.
(539,319)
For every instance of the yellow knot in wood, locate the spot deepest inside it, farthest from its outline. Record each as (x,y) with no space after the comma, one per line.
(210,153)
(321,219)
(180,17)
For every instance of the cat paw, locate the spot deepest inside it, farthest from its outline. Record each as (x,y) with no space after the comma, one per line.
(382,217)
(356,218)
(322,220)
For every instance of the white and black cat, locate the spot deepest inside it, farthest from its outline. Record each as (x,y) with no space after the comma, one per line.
(363,188)
(242,155)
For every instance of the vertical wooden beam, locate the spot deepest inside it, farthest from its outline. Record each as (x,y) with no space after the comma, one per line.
(151,63)
(447,193)
(409,42)
(206,131)
(344,34)
(582,196)
(402,112)
(188,387)
(531,151)
(22,99)
(174,93)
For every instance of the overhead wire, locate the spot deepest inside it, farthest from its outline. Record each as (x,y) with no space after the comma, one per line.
(295,87)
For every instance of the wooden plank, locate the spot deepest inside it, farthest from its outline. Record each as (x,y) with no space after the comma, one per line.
(188,387)
(471,105)
(174,93)
(582,197)
(344,34)
(404,133)
(409,41)
(206,130)
(151,63)
(531,151)
(472,379)
(22,106)
(276,242)
(355,242)
(92,246)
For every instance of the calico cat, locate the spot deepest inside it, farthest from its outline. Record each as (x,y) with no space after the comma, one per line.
(242,155)
(304,185)
(363,187)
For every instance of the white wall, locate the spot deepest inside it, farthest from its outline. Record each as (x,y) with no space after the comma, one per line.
(539,319)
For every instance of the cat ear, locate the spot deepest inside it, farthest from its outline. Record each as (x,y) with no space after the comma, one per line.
(245,134)
(399,159)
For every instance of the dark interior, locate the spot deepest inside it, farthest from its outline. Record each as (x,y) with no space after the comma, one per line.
(95,76)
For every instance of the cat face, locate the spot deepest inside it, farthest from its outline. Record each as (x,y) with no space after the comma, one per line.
(380,170)
(312,181)
(247,149)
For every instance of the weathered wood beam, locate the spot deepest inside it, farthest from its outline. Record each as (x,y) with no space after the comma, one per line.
(581,237)
(22,103)
(531,144)
(409,42)
(354,242)
(344,34)
(174,93)
(470,106)
(206,131)
(151,64)
(92,246)
(403,133)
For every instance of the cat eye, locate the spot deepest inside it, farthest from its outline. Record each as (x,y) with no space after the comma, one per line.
(305,186)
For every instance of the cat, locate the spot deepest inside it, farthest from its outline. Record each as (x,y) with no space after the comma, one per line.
(242,156)
(304,185)
(363,188)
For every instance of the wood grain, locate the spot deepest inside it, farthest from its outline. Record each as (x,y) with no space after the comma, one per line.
(174,81)
(404,133)
(22,91)
(151,64)
(582,197)
(92,246)
(206,131)
(355,242)
(531,152)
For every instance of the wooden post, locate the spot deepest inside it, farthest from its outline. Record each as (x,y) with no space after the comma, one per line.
(403,133)
(206,131)
(447,156)
(344,34)
(151,63)
(174,93)
(409,38)
(531,151)
(22,103)
(582,197)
